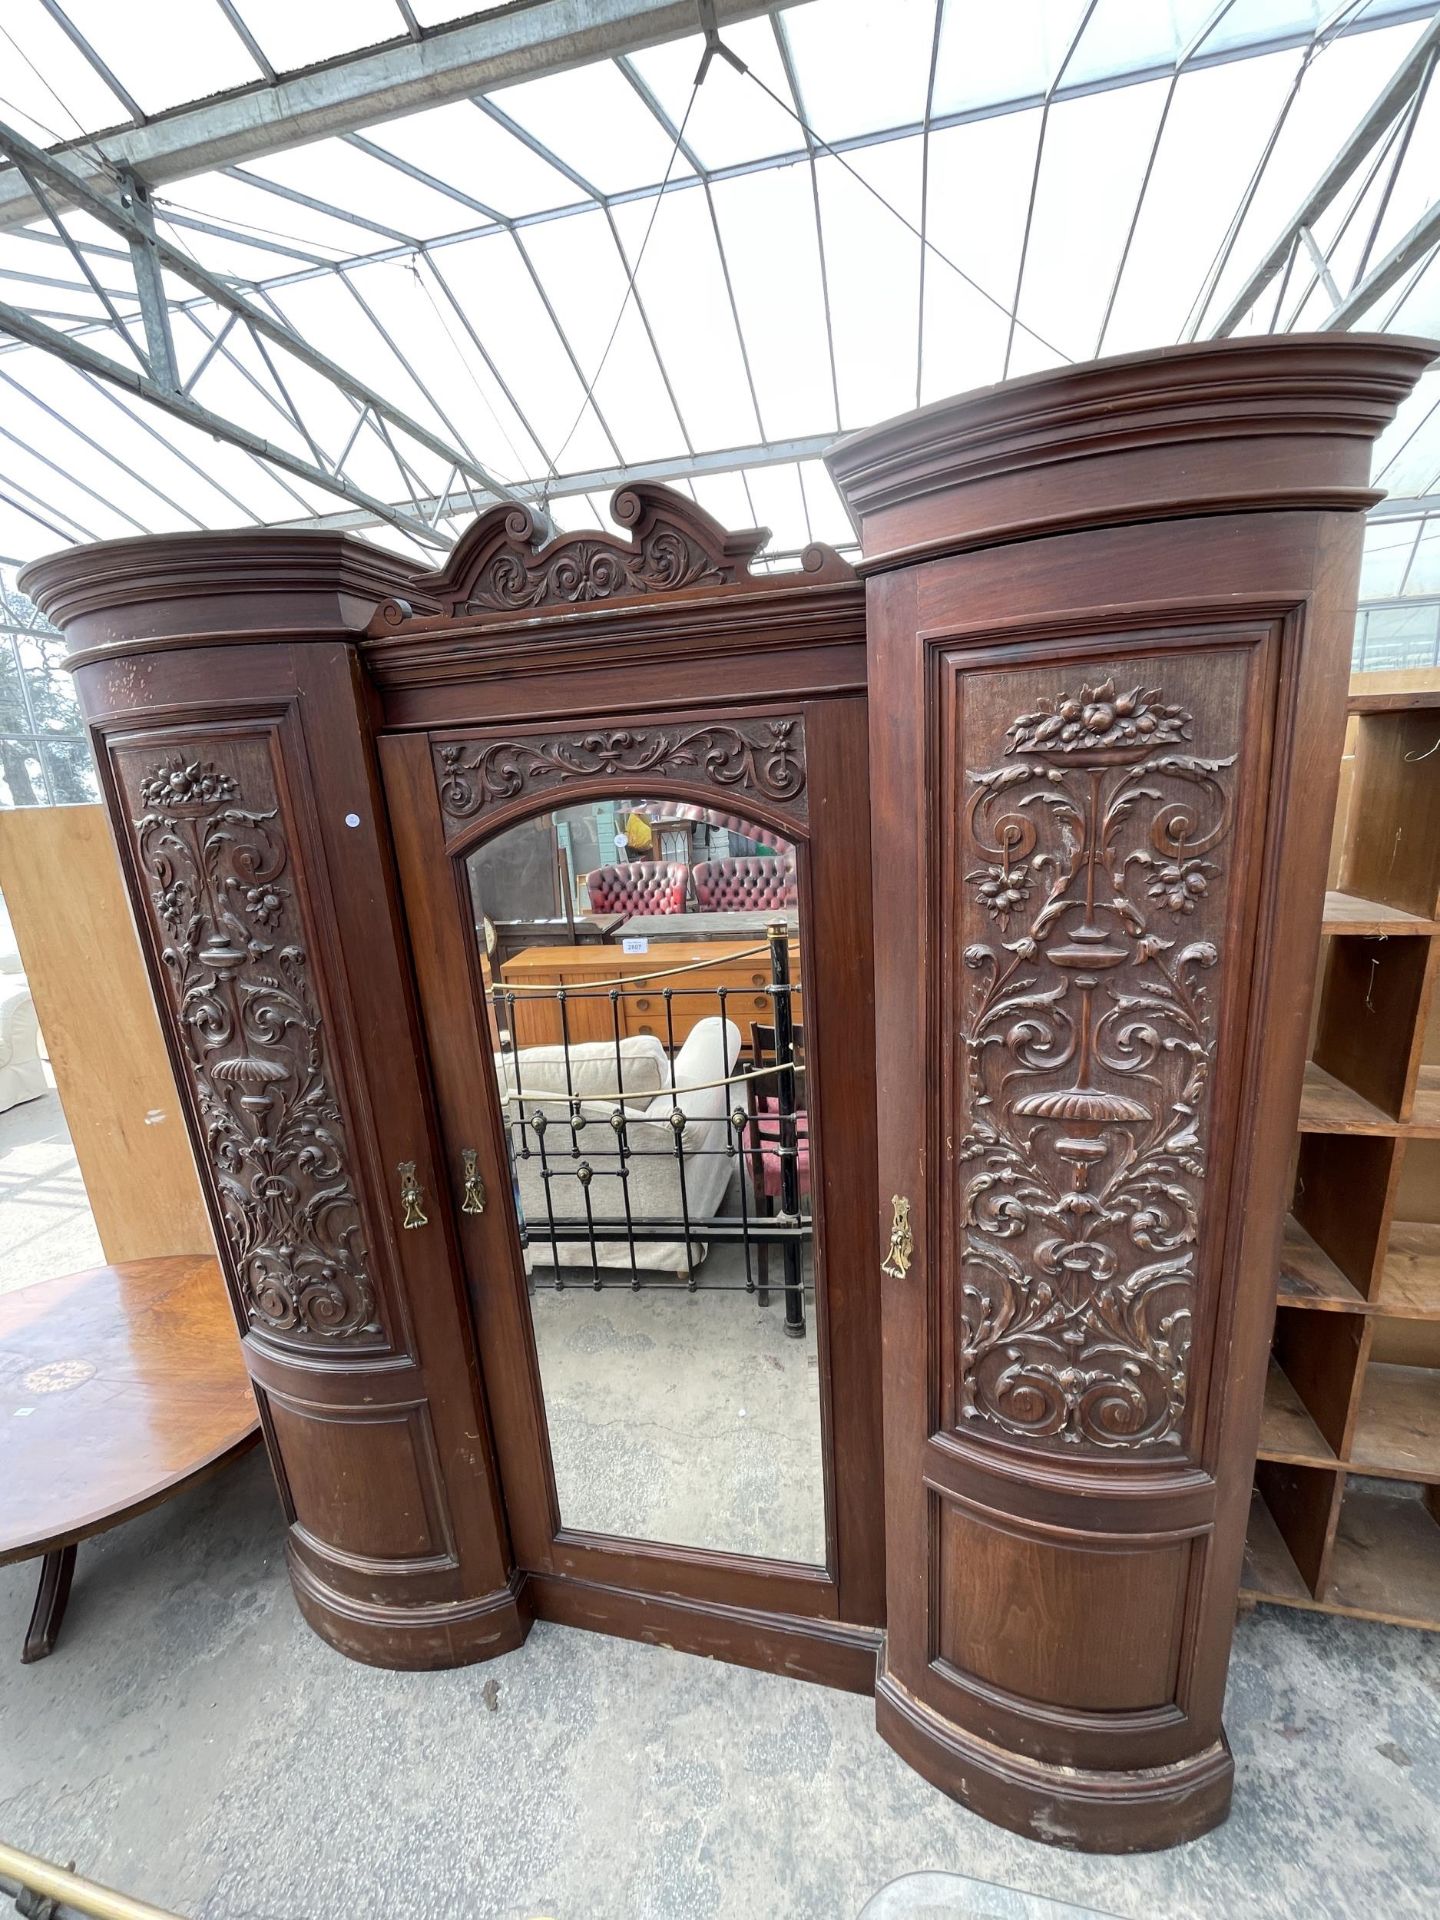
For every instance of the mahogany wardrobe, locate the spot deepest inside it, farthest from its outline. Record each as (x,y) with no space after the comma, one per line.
(1053,768)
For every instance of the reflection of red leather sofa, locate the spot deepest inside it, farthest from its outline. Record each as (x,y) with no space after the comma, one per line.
(642,886)
(746,881)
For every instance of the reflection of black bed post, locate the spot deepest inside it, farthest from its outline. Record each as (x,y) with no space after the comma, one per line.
(779,936)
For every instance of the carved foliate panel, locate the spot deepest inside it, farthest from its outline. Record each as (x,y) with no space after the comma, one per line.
(763,759)
(216,862)
(1096,850)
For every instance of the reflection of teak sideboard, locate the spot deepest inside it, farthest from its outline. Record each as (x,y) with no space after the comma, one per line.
(742,970)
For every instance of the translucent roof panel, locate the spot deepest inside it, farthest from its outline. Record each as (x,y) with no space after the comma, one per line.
(474,153)
(492,294)
(47,86)
(861,63)
(188,49)
(731,120)
(592,120)
(292,35)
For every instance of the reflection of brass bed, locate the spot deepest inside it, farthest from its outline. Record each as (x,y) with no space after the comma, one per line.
(536,1021)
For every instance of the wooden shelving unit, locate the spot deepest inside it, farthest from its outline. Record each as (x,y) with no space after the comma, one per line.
(1345,1516)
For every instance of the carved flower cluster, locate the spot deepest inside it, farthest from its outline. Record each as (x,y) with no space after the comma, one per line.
(1181,885)
(183,783)
(1002,890)
(1099,717)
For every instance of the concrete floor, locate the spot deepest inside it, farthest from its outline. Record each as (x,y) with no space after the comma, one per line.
(686,1417)
(193,1743)
(46,1227)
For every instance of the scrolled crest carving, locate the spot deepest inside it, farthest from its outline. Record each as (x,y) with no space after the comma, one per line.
(232,943)
(510,562)
(1094,881)
(764,757)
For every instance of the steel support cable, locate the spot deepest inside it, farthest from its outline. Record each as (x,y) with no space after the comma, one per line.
(909,225)
(631,275)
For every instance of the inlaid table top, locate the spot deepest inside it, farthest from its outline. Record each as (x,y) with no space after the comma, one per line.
(118,1387)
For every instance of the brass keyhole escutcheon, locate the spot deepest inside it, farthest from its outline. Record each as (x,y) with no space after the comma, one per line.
(412,1196)
(474,1196)
(901,1250)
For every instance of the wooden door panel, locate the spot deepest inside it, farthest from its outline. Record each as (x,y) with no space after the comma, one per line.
(431,853)
(1102,729)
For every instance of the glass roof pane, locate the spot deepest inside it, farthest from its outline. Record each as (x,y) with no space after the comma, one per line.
(187,49)
(344,176)
(434,13)
(828,519)
(582,271)
(293,36)
(989,53)
(23,415)
(767,222)
(732,120)
(594,121)
(780,504)
(1389,545)
(1424,574)
(491,282)
(326,310)
(873,265)
(22,466)
(1196,186)
(1333,96)
(99,410)
(1249,21)
(1123,35)
(861,64)
(409,304)
(724,498)
(1418,311)
(42,68)
(33,275)
(1407,455)
(1094,158)
(233,255)
(683,287)
(467,149)
(965,333)
(226,201)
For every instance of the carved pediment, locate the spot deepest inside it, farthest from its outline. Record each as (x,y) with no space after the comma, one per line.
(507,563)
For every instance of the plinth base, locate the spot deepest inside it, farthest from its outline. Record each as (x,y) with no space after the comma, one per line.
(412,1639)
(1087,1811)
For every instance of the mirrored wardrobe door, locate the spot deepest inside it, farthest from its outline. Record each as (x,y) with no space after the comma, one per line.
(631,1029)
(646,1022)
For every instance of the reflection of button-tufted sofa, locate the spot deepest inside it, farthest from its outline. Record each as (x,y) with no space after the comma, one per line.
(643,886)
(538,1080)
(746,881)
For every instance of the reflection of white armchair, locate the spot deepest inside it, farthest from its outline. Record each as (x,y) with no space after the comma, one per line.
(22,1072)
(652,1094)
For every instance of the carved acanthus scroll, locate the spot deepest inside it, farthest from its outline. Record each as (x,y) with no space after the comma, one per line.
(511,562)
(1089,1041)
(762,758)
(216,861)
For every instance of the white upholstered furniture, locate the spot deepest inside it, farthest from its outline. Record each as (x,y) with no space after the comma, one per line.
(22,1071)
(535,1081)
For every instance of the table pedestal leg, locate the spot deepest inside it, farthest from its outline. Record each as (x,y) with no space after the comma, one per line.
(56,1571)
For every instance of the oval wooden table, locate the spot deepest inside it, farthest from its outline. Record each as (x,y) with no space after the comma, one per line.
(118,1388)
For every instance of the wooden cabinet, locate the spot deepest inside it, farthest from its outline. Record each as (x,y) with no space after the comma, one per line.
(1087,707)
(1109,623)
(665,992)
